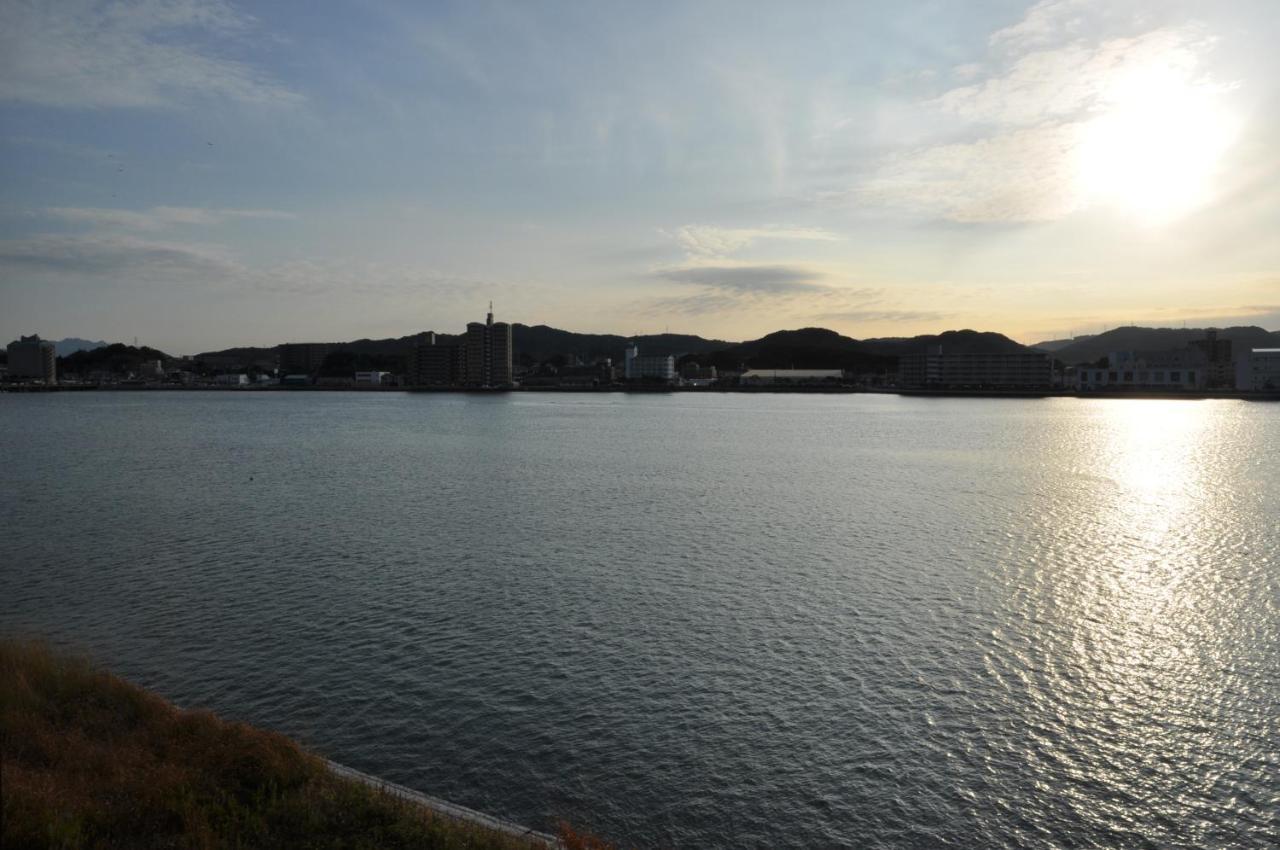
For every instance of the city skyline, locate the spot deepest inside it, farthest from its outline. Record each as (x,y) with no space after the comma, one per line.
(201,177)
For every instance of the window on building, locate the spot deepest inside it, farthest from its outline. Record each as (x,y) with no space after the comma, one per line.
(1111,376)
(1175,377)
(1128,377)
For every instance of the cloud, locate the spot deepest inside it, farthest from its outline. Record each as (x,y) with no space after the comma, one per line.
(141,53)
(94,256)
(1023,176)
(757,280)
(1046,21)
(158,218)
(706,240)
(125,258)
(884,316)
(735,288)
(1051,130)
(1077,79)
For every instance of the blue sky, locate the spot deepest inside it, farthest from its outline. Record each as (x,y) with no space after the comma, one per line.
(201,175)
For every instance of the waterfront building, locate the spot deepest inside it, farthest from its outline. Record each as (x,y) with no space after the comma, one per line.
(1260,370)
(692,371)
(371,379)
(150,369)
(304,357)
(487,353)
(238,380)
(793,377)
(1179,369)
(947,370)
(433,363)
(653,367)
(1219,370)
(33,358)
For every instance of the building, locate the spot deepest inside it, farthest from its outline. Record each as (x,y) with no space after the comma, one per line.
(237,380)
(1178,369)
(372,379)
(1220,370)
(150,369)
(692,371)
(33,358)
(304,357)
(487,353)
(433,364)
(793,377)
(946,370)
(652,367)
(1260,370)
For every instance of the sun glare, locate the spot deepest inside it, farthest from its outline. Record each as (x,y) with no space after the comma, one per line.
(1156,148)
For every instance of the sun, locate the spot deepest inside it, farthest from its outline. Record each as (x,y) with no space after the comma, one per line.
(1155,148)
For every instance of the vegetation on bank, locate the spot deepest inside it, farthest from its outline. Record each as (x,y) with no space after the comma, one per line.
(89,760)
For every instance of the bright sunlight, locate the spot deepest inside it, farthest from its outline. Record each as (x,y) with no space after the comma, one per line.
(1155,151)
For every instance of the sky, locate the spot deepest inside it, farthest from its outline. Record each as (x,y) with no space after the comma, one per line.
(200,175)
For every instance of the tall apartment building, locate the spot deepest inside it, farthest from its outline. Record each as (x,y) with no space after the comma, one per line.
(1013,370)
(1220,372)
(435,364)
(487,353)
(33,358)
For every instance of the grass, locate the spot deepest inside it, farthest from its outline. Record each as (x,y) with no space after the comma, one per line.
(88,760)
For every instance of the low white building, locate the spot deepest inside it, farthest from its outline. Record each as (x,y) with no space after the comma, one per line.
(240,380)
(791,376)
(371,379)
(1259,371)
(636,367)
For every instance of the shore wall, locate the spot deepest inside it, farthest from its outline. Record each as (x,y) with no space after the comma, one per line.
(445,808)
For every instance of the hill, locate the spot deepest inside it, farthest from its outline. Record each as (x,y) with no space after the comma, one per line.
(93,761)
(117,358)
(72,344)
(1055,345)
(953,342)
(532,344)
(819,348)
(1089,349)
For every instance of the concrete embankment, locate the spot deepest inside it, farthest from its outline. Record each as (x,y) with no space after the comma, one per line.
(445,808)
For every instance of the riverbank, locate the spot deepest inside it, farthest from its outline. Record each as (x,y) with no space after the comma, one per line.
(90,760)
(764,389)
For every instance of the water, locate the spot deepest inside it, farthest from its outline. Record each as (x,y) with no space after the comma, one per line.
(693,621)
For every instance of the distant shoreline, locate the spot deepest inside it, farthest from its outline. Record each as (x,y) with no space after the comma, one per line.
(803,390)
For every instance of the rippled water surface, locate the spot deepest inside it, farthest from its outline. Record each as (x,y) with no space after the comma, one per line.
(693,621)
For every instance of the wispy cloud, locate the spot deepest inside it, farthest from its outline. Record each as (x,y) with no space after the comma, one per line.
(883,316)
(158,218)
(1018,141)
(784,289)
(140,53)
(707,240)
(104,256)
(754,280)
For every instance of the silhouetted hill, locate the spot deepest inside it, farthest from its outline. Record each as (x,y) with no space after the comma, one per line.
(117,358)
(953,342)
(1055,345)
(72,344)
(805,348)
(819,348)
(1088,350)
(531,343)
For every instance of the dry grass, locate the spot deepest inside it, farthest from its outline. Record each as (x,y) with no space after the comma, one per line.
(90,761)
